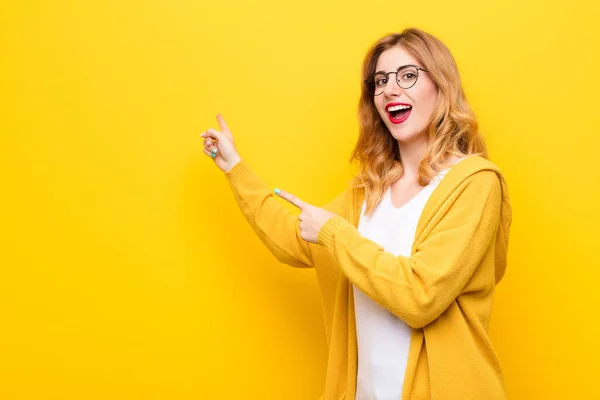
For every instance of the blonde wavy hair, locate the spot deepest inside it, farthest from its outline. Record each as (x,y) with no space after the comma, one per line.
(452,129)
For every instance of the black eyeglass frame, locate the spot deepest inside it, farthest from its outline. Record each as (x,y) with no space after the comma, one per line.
(371,85)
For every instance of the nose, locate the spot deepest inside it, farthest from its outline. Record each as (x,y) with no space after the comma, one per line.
(392,88)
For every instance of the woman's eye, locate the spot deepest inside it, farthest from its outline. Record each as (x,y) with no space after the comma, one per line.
(380,82)
(409,76)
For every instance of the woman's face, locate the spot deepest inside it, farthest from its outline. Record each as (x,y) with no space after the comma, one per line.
(416,103)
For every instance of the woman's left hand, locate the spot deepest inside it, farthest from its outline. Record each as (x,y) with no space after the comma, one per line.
(312,218)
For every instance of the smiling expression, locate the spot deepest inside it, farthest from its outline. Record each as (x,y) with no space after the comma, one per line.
(405,112)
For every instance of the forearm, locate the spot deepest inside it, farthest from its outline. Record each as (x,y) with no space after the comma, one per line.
(419,288)
(274,224)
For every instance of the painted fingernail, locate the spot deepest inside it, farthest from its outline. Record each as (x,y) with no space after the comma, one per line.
(277,191)
(213,155)
(214,150)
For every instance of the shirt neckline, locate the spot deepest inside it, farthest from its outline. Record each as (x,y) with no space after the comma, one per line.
(438,178)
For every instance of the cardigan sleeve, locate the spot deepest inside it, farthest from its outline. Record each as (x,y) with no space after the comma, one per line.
(275,225)
(419,288)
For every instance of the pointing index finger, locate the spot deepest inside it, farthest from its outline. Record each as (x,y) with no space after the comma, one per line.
(291,198)
(222,124)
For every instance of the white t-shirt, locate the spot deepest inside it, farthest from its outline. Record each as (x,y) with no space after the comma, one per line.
(384,339)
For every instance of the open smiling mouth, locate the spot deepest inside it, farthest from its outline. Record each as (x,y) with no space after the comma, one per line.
(399,114)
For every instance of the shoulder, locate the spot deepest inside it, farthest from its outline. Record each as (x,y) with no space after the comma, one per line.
(472,181)
(484,179)
(477,171)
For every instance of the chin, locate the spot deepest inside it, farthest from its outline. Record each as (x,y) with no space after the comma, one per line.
(404,134)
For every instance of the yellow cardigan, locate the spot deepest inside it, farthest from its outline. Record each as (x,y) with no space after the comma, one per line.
(444,290)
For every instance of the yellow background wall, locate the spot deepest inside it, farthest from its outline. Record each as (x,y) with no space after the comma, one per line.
(127,271)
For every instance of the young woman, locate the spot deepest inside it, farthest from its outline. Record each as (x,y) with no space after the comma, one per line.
(407,258)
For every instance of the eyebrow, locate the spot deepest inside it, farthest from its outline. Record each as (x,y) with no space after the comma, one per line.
(397,69)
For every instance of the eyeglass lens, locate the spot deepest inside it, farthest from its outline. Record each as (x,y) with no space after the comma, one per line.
(406,77)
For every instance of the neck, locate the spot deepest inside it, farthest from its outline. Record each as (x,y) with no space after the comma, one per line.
(411,154)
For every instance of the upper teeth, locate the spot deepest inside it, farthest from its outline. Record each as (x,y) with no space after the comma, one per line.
(399,107)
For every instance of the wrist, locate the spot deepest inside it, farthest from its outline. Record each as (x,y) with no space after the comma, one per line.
(232,164)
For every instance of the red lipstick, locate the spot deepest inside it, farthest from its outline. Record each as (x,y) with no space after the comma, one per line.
(401,115)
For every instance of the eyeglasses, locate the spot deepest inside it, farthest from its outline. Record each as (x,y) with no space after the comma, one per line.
(406,77)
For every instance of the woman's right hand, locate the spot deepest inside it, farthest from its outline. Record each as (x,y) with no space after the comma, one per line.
(219,146)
